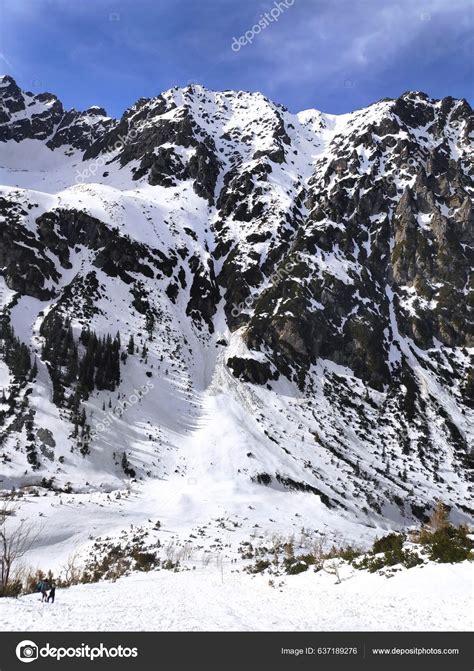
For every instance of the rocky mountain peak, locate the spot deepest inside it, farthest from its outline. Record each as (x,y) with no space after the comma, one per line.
(301,279)
(28,116)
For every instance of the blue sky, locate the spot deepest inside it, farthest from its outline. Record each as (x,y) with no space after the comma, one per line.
(334,55)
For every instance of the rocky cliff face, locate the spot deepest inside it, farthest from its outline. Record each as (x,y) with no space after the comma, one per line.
(24,115)
(385,247)
(312,269)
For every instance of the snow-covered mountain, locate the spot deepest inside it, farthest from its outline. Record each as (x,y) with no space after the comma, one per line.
(241,301)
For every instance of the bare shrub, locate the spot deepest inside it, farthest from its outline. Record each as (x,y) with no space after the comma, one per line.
(120,568)
(15,541)
(438,521)
(318,550)
(440,517)
(170,551)
(206,558)
(289,548)
(332,567)
(71,571)
(185,553)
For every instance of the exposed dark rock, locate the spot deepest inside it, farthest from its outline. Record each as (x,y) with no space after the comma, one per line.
(250,370)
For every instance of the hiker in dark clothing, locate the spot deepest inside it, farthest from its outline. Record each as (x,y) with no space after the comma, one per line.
(43,587)
(52,593)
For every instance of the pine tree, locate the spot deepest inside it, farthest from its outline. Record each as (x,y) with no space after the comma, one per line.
(150,324)
(97,367)
(34,369)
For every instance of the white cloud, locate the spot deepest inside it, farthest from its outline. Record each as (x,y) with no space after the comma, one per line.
(316,42)
(5,60)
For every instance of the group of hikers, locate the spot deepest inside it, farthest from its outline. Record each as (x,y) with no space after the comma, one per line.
(47,590)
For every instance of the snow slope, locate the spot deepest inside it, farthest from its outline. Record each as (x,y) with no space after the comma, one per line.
(208,599)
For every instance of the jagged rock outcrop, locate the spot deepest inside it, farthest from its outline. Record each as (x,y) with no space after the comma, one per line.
(24,115)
